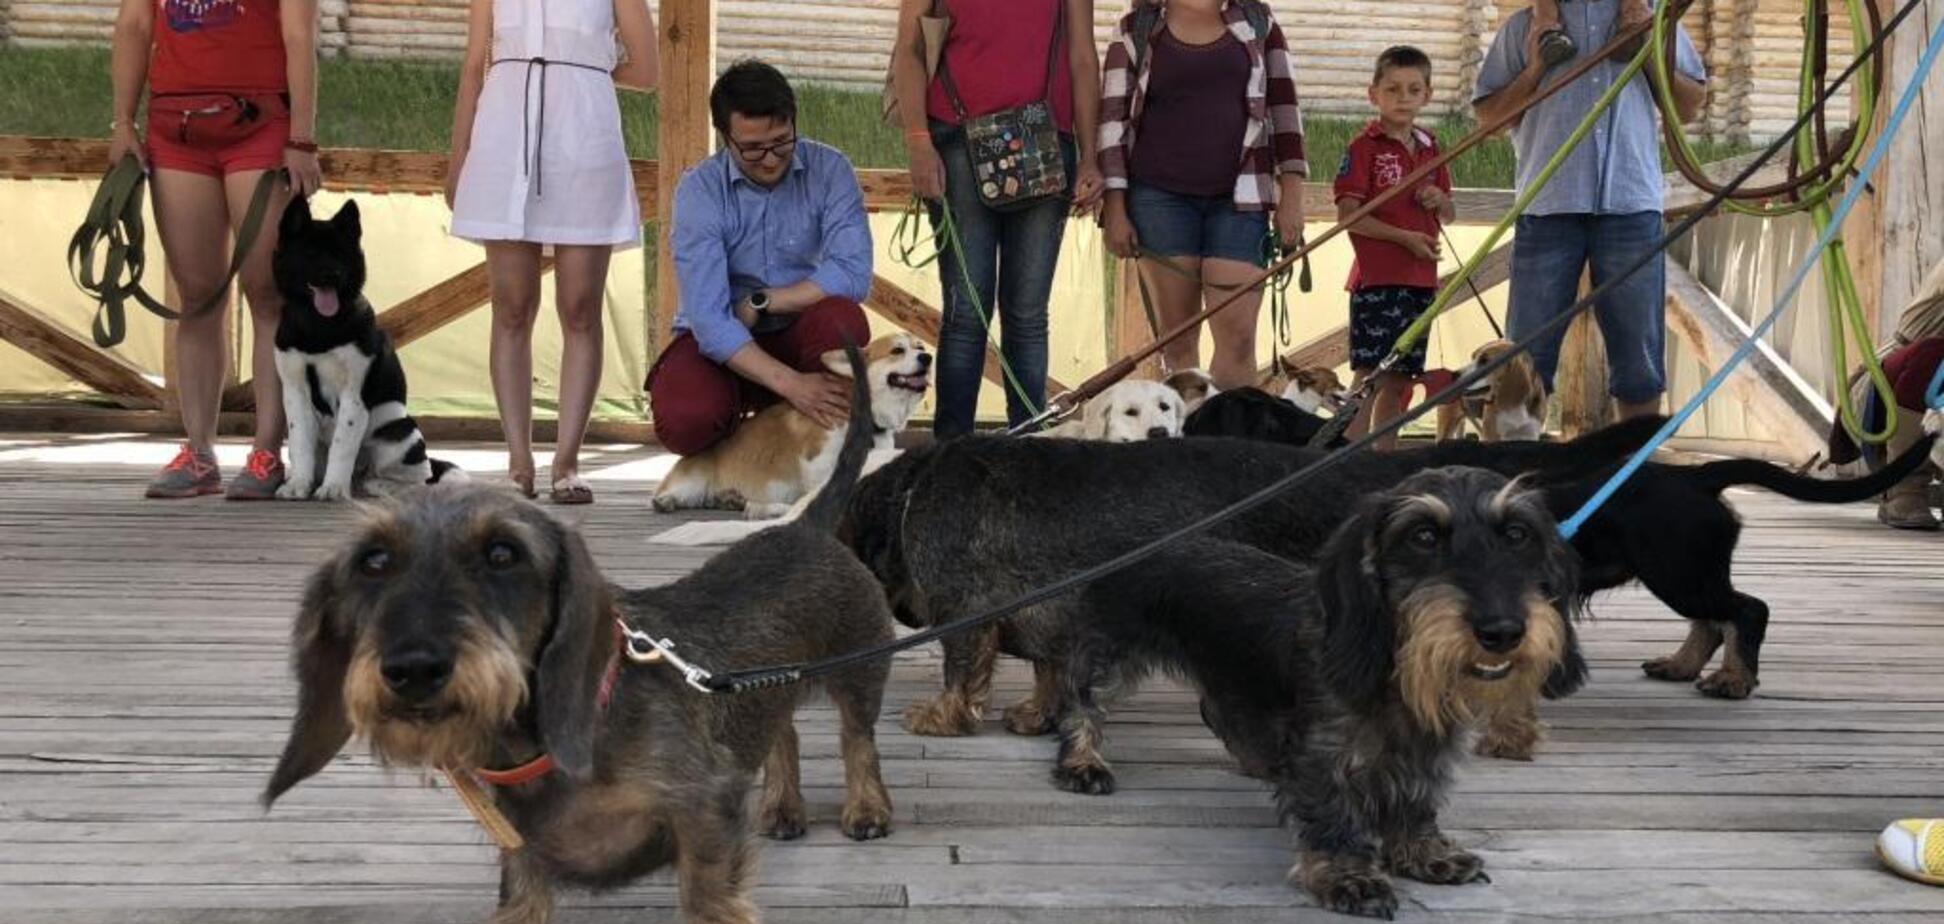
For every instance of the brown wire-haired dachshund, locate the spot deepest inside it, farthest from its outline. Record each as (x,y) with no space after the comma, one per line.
(1351,688)
(466,629)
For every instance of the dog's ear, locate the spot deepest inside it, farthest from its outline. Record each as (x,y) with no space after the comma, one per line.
(574,655)
(837,362)
(1359,631)
(1093,419)
(322,656)
(296,217)
(346,220)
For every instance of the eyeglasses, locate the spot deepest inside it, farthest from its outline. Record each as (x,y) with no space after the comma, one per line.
(755,153)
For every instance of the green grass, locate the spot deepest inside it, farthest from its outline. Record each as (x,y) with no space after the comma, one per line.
(407,105)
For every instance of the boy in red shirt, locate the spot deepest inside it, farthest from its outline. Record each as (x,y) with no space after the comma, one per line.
(1395,276)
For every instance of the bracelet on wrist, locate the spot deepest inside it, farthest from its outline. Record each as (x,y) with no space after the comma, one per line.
(301,144)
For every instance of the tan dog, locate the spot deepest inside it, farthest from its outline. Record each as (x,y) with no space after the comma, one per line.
(1513,406)
(1128,411)
(1193,385)
(780,456)
(1312,388)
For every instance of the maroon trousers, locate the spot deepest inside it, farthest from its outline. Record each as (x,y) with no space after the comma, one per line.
(695,402)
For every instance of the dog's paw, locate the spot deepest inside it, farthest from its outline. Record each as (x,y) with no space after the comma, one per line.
(1085,779)
(1727,684)
(294,489)
(666,503)
(332,491)
(784,823)
(935,719)
(1671,668)
(1451,867)
(866,822)
(1500,747)
(1361,891)
(1026,717)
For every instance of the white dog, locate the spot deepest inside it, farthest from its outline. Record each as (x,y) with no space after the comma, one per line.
(1127,411)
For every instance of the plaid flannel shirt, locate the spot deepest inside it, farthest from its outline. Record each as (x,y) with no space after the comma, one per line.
(1273,142)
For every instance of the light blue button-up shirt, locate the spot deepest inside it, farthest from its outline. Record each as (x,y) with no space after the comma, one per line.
(1617,169)
(732,236)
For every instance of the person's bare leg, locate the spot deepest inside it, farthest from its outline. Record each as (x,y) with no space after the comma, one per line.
(580,288)
(1234,362)
(1176,299)
(1385,404)
(266,304)
(513,270)
(192,222)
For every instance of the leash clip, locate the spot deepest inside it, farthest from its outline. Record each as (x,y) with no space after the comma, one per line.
(647,649)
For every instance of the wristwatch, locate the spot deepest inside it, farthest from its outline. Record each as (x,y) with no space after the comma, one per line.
(760,301)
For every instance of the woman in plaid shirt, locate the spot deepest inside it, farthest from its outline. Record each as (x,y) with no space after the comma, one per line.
(1201,139)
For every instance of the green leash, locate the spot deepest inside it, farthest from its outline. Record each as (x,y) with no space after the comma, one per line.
(907,241)
(114,224)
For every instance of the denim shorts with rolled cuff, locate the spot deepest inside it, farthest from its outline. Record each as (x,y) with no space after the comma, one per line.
(1173,225)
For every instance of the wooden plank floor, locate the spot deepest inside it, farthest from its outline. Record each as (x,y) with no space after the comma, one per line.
(143,694)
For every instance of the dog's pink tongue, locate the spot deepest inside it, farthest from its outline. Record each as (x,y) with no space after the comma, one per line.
(325,300)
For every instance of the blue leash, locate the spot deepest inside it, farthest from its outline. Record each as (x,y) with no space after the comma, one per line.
(1935,397)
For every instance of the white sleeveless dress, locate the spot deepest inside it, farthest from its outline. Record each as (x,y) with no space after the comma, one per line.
(547,164)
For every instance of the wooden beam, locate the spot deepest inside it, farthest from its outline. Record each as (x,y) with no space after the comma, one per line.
(1787,405)
(900,307)
(1680,197)
(73,417)
(423,172)
(684,137)
(1332,348)
(410,319)
(47,340)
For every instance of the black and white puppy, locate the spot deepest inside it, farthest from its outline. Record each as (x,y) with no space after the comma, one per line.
(343,387)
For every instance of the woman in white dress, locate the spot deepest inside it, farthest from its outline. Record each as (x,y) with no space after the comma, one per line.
(538,163)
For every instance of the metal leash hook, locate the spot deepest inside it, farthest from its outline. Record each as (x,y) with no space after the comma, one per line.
(1057,410)
(647,649)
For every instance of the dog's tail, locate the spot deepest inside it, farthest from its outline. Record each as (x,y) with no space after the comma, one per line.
(834,496)
(1718,476)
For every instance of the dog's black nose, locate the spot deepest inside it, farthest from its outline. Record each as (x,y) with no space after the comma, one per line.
(1500,638)
(924,360)
(1157,433)
(416,674)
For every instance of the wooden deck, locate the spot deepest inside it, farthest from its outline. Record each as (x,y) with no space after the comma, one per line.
(143,694)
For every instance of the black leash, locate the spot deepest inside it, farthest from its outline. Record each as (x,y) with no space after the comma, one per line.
(1480,296)
(766,678)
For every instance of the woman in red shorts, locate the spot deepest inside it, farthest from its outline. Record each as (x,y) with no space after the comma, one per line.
(225,103)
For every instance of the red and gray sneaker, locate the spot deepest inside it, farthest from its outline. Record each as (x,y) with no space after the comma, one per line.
(262,475)
(190,474)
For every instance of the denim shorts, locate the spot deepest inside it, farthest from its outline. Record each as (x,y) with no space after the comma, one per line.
(1174,225)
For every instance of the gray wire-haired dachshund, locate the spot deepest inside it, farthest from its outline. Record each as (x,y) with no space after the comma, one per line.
(466,629)
(1352,688)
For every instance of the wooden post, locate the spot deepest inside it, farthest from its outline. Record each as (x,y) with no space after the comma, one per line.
(1130,329)
(1581,379)
(684,134)
(1909,200)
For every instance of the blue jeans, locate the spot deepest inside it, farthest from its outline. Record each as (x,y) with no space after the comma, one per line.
(1010,255)
(1547,256)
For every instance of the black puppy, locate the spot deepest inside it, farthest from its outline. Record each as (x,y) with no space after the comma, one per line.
(1255,414)
(1669,528)
(1351,689)
(343,387)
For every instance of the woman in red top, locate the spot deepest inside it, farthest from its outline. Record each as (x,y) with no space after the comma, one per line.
(1000,54)
(231,92)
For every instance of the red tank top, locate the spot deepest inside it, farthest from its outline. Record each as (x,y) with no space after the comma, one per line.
(997,53)
(231,46)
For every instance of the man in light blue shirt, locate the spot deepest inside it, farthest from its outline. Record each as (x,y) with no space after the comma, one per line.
(772,255)
(1603,208)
